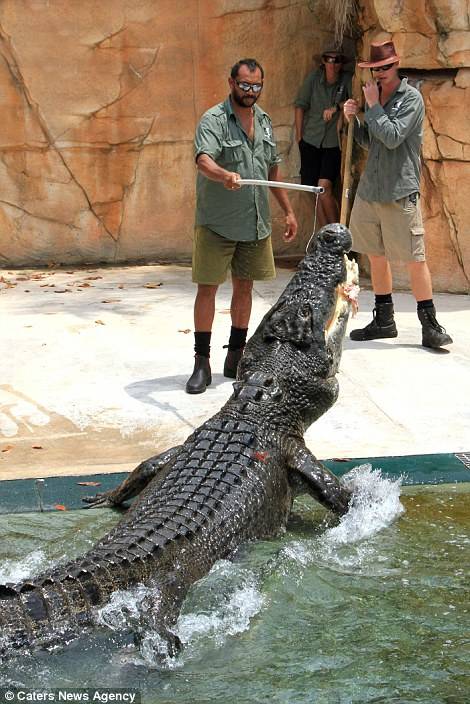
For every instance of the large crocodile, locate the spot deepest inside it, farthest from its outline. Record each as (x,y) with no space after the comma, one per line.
(233,480)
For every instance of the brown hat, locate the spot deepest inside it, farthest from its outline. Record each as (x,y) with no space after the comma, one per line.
(380,55)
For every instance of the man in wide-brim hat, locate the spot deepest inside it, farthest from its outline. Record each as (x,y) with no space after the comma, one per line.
(318,107)
(386,221)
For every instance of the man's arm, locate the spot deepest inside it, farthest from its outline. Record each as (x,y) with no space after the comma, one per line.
(299,123)
(302,104)
(282,198)
(210,169)
(392,131)
(361,133)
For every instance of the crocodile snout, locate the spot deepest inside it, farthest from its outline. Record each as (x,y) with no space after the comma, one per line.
(257,386)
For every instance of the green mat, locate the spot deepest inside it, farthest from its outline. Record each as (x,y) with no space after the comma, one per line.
(65,493)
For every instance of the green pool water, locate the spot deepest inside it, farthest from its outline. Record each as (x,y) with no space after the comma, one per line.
(375,609)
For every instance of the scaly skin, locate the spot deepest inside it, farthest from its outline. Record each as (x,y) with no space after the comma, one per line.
(233,480)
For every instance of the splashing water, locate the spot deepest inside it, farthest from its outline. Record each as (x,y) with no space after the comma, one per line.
(375,505)
(14,570)
(349,545)
(237,600)
(124,608)
(220,605)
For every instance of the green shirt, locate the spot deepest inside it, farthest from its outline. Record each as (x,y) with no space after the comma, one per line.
(241,215)
(393,135)
(315,96)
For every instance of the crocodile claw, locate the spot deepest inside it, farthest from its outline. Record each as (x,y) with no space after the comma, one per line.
(99,501)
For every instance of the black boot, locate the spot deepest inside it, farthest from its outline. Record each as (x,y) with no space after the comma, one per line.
(434,334)
(201,377)
(231,362)
(382,325)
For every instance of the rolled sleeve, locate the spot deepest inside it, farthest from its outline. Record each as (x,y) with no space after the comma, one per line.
(304,96)
(275,158)
(392,130)
(208,138)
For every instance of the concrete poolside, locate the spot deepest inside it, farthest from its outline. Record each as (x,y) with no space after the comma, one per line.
(94,363)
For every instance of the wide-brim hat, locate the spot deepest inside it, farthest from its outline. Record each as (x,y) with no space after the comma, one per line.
(338,51)
(380,55)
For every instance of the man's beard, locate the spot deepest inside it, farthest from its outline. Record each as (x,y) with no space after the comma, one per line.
(240,100)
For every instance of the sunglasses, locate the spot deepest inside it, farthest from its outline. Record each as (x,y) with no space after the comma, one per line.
(382,68)
(332,59)
(246,87)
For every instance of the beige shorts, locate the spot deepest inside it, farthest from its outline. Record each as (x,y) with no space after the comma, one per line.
(394,230)
(214,255)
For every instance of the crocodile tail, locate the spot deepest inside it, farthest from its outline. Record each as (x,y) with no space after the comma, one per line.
(51,608)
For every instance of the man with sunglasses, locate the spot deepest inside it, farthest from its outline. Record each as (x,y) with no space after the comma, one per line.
(317,112)
(234,140)
(386,221)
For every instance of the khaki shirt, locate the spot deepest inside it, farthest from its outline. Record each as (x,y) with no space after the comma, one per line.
(315,96)
(393,135)
(242,215)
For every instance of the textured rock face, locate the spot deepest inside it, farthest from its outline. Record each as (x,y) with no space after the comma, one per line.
(100,101)
(426,34)
(433,41)
(99,105)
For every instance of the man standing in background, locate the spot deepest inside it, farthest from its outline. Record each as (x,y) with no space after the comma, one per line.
(317,111)
(234,140)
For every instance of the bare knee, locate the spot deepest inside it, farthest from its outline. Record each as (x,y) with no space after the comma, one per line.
(419,268)
(327,185)
(242,286)
(206,292)
(377,259)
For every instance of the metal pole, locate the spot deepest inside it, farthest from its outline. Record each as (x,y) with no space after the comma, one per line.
(281,184)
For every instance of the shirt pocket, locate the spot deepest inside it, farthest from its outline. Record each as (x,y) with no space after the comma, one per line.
(232,151)
(270,151)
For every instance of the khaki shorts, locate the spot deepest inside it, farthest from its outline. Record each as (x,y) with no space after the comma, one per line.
(394,230)
(213,255)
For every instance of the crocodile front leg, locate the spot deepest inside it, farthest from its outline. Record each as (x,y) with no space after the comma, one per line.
(318,481)
(134,483)
(160,610)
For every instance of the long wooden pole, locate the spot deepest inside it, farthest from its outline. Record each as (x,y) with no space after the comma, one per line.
(347,174)
(346,196)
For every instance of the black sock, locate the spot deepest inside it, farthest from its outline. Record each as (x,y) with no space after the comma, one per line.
(237,338)
(428,303)
(383,298)
(202,343)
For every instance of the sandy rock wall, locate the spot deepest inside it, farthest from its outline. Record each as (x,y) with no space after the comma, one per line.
(99,104)
(100,100)
(432,38)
